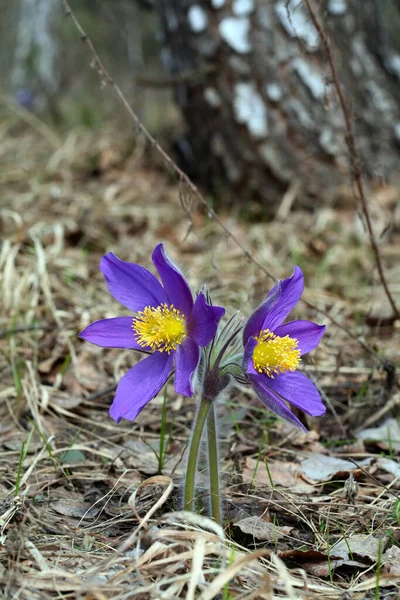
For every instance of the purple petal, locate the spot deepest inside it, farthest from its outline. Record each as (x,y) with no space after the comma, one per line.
(186,360)
(203,321)
(132,285)
(255,323)
(307,333)
(248,366)
(297,389)
(273,402)
(175,284)
(112,333)
(291,291)
(140,384)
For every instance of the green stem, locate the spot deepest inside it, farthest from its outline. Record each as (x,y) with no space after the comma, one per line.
(194,453)
(213,466)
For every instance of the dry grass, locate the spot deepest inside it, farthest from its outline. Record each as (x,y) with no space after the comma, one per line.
(85,511)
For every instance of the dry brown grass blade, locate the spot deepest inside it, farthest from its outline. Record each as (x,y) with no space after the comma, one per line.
(156,480)
(232,571)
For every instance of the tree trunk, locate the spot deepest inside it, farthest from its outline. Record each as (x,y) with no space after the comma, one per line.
(253,84)
(36,69)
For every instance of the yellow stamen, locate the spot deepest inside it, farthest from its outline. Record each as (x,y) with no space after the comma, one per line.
(161,328)
(274,355)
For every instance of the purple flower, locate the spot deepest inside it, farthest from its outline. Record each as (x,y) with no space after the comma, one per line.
(272,352)
(167,324)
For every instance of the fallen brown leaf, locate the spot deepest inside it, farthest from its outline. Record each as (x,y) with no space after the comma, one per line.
(386,436)
(262,530)
(319,467)
(285,474)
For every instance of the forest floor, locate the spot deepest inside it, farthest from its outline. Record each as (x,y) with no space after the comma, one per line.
(90,509)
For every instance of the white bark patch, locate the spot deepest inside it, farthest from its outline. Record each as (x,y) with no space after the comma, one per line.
(36,38)
(218,3)
(274,92)
(241,8)
(275,162)
(235,32)
(337,7)
(394,64)
(302,114)
(296,22)
(212,97)
(198,19)
(397,131)
(356,67)
(380,99)
(250,109)
(328,142)
(361,52)
(310,77)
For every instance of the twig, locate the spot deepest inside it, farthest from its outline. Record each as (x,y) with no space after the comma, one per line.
(355,168)
(107,79)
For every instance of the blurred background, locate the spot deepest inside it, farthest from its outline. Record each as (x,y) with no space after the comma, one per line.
(239,90)
(43,67)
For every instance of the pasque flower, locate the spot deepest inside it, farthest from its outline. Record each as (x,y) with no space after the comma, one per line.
(272,352)
(167,324)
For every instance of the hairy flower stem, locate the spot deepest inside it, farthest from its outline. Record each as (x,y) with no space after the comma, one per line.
(213,466)
(191,466)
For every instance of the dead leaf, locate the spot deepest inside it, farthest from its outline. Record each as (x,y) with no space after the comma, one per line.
(320,569)
(391,560)
(388,465)
(319,564)
(262,530)
(305,556)
(319,467)
(284,474)
(47,366)
(73,508)
(85,372)
(386,436)
(359,547)
(141,457)
(66,401)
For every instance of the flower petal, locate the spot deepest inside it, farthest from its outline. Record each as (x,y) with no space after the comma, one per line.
(203,321)
(307,333)
(140,384)
(297,389)
(248,366)
(112,333)
(132,285)
(186,361)
(291,291)
(175,284)
(273,402)
(255,321)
